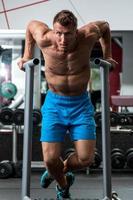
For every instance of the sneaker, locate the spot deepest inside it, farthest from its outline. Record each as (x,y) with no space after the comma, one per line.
(46,180)
(64,193)
(70,178)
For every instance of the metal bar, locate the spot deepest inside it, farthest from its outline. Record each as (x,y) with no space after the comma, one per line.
(26,198)
(14,143)
(124,131)
(28,124)
(106,139)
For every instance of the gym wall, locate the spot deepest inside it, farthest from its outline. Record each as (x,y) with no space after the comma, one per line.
(86,11)
(120,24)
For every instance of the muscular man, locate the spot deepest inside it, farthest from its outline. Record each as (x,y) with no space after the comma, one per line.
(67,106)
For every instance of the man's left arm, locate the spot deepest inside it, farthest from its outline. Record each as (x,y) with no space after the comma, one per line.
(105,41)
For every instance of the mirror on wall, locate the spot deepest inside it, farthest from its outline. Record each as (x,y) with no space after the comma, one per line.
(12,79)
(10,76)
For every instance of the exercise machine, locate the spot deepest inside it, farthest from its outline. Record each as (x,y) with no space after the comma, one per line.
(28,124)
(107,182)
(105,67)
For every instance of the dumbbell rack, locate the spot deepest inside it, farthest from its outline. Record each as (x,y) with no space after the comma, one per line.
(121,128)
(12,167)
(13,121)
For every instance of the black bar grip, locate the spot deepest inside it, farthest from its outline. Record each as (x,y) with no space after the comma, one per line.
(31,63)
(103,63)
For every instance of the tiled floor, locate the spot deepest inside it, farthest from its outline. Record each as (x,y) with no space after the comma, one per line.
(86,187)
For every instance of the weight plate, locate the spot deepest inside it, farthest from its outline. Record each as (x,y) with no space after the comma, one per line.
(36,117)
(18,117)
(6,116)
(68,152)
(8,90)
(6,170)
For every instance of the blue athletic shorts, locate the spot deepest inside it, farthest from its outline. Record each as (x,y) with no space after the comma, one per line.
(67,114)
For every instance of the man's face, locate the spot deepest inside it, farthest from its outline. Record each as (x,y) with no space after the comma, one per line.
(65,36)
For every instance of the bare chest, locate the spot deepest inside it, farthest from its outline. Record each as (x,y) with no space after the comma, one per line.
(66,63)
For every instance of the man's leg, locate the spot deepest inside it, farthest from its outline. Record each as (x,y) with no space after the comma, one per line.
(53,162)
(83,156)
(54,165)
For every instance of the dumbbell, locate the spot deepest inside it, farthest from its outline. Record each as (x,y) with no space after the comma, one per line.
(98,119)
(68,152)
(18,116)
(117,158)
(6,169)
(97,160)
(37,117)
(114,118)
(129,158)
(129,117)
(17,169)
(8,90)
(6,116)
(123,120)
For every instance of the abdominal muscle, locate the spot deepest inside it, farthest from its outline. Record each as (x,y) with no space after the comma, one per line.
(70,84)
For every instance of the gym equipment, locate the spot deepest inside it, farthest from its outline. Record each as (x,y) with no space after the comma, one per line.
(17,169)
(123,119)
(6,169)
(97,160)
(107,187)
(17,165)
(98,119)
(122,101)
(28,125)
(68,152)
(129,158)
(117,158)
(115,196)
(18,116)
(130,118)
(36,117)
(106,140)
(26,198)
(10,168)
(114,119)
(104,68)
(17,102)
(6,116)
(8,90)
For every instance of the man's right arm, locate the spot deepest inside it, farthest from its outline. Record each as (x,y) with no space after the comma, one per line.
(35,33)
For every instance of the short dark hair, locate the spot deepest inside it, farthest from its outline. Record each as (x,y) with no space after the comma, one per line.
(65,18)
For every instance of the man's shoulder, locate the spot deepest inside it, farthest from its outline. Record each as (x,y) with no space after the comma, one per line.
(88,30)
(90,27)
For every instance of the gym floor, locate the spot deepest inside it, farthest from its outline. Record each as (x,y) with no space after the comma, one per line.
(86,187)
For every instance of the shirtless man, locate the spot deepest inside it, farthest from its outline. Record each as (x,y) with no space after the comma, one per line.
(67,106)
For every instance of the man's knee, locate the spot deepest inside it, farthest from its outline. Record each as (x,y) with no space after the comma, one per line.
(51,153)
(50,159)
(85,160)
